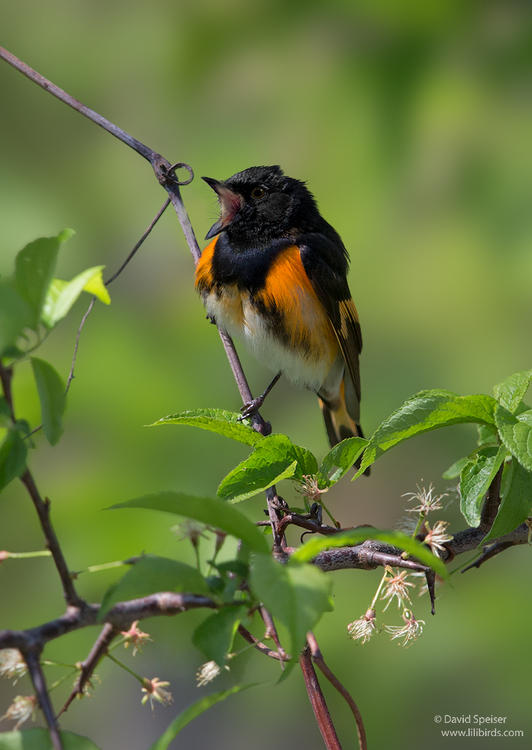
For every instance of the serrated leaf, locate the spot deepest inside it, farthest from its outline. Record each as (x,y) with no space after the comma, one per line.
(297,595)
(52,396)
(487,435)
(192,712)
(511,391)
(34,268)
(427,410)
(208,510)
(62,295)
(13,452)
(214,636)
(15,315)
(516,434)
(223,422)
(475,479)
(454,469)
(516,502)
(340,459)
(39,739)
(150,575)
(313,547)
(253,476)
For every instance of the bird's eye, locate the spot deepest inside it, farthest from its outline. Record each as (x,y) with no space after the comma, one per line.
(258,192)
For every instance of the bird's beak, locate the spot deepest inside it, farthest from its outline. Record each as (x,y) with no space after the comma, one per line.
(230,205)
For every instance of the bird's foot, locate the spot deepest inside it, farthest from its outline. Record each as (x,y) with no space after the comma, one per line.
(251,408)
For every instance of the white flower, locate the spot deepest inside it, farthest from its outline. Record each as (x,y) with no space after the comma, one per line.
(411,630)
(207,673)
(135,636)
(309,488)
(12,664)
(154,689)
(191,530)
(396,587)
(21,709)
(363,628)
(425,501)
(436,537)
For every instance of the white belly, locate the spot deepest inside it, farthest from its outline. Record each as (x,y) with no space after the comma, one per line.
(234,312)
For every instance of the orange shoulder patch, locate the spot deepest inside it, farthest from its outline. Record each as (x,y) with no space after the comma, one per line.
(290,291)
(204,275)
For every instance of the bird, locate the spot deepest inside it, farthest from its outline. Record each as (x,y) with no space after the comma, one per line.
(275,275)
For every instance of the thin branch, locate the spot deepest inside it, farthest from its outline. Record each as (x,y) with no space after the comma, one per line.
(317,700)
(271,632)
(260,646)
(87,667)
(491,503)
(43,511)
(488,553)
(31,658)
(318,659)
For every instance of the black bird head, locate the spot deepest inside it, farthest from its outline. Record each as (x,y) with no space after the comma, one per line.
(261,204)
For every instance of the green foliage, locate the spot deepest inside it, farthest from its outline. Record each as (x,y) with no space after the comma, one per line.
(151,574)
(476,476)
(13,453)
(227,423)
(427,410)
(297,595)
(511,391)
(61,295)
(215,635)
(39,739)
(205,509)
(190,713)
(51,392)
(339,460)
(314,546)
(516,434)
(516,500)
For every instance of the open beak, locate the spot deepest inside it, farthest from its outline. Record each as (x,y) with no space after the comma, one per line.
(230,205)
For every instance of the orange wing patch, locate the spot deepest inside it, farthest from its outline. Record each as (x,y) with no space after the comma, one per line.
(289,290)
(204,275)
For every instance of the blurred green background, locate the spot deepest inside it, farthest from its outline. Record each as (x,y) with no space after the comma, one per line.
(411,122)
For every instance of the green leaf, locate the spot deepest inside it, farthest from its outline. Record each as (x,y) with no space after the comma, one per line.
(516,434)
(223,422)
(511,391)
(150,575)
(205,509)
(13,453)
(454,469)
(487,435)
(62,295)
(52,396)
(39,739)
(274,458)
(252,476)
(475,479)
(297,595)
(214,636)
(313,547)
(192,712)
(15,315)
(34,268)
(427,410)
(340,459)
(516,502)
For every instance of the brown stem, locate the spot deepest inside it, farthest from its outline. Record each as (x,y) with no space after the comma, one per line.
(87,667)
(260,646)
(43,511)
(491,503)
(317,700)
(271,632)
(41,691)
(318,659)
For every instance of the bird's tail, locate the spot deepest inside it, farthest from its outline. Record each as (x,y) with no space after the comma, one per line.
(338,422)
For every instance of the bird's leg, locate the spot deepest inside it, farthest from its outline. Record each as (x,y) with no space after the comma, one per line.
(252,407)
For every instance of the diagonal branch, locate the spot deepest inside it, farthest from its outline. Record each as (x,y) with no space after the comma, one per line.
(317,700)
(41,691)
(318,659)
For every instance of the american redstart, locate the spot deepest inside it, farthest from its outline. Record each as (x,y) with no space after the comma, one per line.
(275,274)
